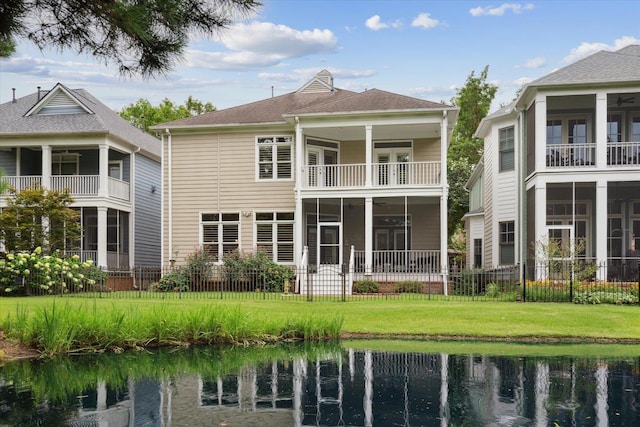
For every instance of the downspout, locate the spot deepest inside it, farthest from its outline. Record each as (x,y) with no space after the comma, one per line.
(298,218)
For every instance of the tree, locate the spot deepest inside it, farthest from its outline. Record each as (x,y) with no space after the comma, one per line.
(143,115)
(39,218)
(474,100)
(143,37)
(4,185)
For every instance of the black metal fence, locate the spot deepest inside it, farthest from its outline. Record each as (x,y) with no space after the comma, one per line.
(551,282)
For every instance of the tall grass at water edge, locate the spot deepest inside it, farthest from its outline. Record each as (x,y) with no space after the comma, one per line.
(71,328)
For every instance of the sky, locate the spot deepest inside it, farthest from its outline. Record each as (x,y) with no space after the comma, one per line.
(423,49)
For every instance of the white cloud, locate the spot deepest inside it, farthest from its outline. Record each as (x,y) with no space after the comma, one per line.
(586,49)
(516,8)
(425,21)
(537,62)
(375,23)
(261,44)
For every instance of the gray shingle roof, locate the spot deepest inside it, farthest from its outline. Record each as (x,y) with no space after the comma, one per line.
(102,121)
(269,110)
(318,96)
(603,67)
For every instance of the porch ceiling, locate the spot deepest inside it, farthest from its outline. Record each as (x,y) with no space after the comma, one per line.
(387,132)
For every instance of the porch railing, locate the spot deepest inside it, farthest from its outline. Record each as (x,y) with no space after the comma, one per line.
(83,255)
(623,153)
(78,185)
(408,261)
(383,175)
(22,182)
(571,155)
(119,189)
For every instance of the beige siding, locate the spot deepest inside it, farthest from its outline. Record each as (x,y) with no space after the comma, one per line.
(352,152)
(424,150)
(216,173)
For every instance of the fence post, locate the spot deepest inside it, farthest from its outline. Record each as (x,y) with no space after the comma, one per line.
(344,282)
(309,286)
(524,282)
(639,286)
(571,277)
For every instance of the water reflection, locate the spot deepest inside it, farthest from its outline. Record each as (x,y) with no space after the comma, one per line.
(319,385)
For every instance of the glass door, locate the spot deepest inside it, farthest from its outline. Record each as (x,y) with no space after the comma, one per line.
(330,243)
(393,168)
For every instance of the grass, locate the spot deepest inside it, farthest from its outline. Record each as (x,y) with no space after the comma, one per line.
(107,323)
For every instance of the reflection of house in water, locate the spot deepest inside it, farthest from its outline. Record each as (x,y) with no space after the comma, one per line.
(373,388)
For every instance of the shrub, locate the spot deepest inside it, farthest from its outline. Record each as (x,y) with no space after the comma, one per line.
(409,286)
(260,271)
(176,281)
(493,290)
(23,272)
(366,286)
(199,266)
(604,297)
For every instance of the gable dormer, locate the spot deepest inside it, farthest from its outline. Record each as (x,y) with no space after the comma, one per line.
(58,100)
(322,82)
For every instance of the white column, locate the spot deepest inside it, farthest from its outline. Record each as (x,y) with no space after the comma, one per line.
(101,399)
(368,235)
(541,393)
(103,186)
(102,237)
(368,182)
(601,228)
(444,260)
(601,130)
(541,132)
(299,219)
(46,166)
(540,226)
(298,377)
(18,161)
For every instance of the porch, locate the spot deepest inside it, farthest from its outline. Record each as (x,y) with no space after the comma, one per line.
(385,175)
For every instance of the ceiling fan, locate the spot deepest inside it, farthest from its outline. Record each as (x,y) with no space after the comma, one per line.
(622,100)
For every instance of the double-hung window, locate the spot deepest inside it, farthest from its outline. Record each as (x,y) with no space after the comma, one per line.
(507,243)
(275,157)
(506,140)
(219,233)
(274,235)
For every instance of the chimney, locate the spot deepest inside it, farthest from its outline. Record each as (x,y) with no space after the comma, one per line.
(14,94)
(38,93)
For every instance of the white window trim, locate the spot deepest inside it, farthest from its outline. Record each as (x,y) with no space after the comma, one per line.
(120,165)
(500,150)
(274,160)
(566,219)
(564,118)
(56,159)
(219,223)
(274,237)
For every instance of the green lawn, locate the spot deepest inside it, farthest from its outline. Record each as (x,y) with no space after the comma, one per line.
(473,320)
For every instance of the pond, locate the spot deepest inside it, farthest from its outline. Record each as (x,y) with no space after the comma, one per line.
(360,383)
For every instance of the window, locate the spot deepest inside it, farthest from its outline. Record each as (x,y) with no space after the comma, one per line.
(115,169)
(274,235)
(554,132)
(274,157)
(507,243)
(219,233)
(64,163)
(614,127)
(477,253)
(577,131)
(506,138)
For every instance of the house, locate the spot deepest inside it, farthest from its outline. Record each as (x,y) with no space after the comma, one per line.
(67,139)
(561,166)
(358,179)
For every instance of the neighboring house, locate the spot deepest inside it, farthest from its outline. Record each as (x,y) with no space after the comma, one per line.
(322,168)
(562,164)
(67,139)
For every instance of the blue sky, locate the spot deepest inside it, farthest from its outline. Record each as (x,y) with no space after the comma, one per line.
(424,49)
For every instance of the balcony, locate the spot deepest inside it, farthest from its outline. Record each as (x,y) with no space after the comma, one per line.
(571,155)
(623,153)
(384,175)
(78,185)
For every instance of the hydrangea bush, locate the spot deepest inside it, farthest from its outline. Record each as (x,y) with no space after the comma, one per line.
(24,273)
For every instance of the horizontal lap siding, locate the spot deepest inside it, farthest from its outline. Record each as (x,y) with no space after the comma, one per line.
(147,211)
(214,173)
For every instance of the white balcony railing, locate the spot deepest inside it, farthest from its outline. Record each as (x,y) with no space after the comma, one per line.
(118,189)
(78,185)
(623,153)
(571,155)
(20,183)
(384,175)
(407,261)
